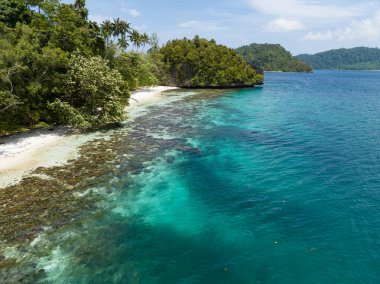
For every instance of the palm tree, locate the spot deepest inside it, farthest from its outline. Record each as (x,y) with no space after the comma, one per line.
(106,28)
(123,43)
(135,38)
(145,39)
(125,28)
(116,27)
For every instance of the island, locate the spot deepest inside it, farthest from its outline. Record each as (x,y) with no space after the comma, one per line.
(202,63)
(358,58)
(272,57)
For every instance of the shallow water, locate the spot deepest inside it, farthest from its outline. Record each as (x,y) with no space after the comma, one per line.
(278,184)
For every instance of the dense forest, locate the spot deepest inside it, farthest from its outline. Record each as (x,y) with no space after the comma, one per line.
(58,67)
(203,63)
(358,58)
(272,57)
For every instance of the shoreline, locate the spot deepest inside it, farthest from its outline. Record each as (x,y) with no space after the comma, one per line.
(147,95)
(20,154)
(23,153)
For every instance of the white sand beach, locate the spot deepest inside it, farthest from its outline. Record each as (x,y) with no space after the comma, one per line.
(20,154)
(147,95)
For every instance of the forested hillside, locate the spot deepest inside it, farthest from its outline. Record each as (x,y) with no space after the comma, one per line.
(272,57)
(203,63)
(358,58)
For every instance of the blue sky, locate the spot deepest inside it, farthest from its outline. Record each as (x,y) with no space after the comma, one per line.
(301,26)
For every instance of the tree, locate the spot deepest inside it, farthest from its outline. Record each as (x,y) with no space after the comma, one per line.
(145,39)
(117,28)
(94,94)
(136,70)
(154,43)
(80,7)
(106,28)
(135,38)
(13,12)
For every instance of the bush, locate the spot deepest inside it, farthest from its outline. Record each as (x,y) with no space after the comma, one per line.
(94,94)
(136,70)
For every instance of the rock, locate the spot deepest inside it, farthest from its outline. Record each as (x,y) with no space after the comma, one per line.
(170,159)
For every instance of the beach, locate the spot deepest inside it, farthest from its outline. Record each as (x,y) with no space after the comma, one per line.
(147,95)
(20,154)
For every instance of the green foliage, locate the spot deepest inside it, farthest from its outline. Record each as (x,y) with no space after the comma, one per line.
(30,72)
(272,57)
(51,66)
(67,114)
(136,70)
(203,63)
(94,94)
(359,58)
(9,106)
(13,12)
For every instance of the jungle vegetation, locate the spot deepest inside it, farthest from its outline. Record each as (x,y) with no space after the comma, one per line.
(272,57)
(358,58)
(203,63)
(59,67)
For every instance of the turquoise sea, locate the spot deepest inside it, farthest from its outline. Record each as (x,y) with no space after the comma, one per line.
(275,184)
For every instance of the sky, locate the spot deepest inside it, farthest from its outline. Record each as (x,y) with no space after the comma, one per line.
(301,26)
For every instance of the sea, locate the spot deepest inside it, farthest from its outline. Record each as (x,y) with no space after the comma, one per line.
(272,184)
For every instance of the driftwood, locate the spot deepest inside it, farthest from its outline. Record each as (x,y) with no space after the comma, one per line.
(134,100)
(9,106)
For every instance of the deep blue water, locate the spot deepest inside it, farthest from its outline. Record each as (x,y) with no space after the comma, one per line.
(279,184)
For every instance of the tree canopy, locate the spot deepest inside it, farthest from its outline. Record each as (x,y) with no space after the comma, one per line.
(272,57)
(204,63)
(59,67)
(358,58)
(56,66)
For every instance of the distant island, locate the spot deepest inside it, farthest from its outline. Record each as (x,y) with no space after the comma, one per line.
(272,57)
(358,58)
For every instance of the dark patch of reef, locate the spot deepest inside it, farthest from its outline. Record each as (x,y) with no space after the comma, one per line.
(55,198)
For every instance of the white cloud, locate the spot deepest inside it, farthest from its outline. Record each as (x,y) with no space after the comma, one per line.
(131,12)
(284,25)
(306,9)
(97,18)
(204,26)
(367,29)
(141,28)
